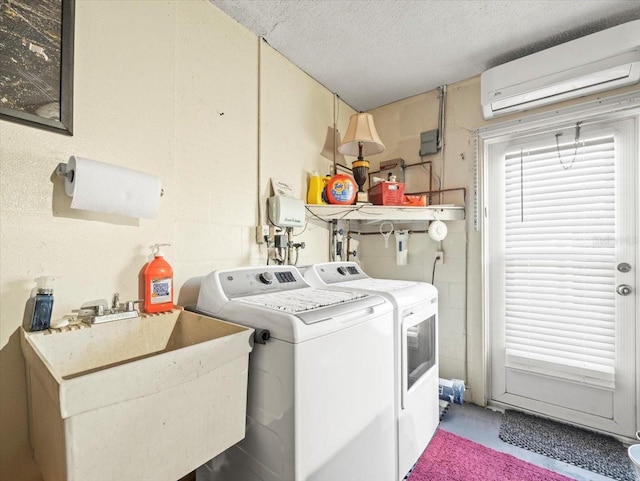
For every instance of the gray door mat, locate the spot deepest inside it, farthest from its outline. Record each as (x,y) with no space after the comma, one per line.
(586,449)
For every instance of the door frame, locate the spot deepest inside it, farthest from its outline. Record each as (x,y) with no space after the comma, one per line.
(616,107)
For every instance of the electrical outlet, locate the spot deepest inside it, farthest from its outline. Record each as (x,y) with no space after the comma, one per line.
(262,232)
(439,257)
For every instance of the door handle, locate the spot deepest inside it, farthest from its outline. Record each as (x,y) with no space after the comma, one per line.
(623,289)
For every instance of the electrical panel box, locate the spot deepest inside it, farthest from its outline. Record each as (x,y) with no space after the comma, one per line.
(429,142)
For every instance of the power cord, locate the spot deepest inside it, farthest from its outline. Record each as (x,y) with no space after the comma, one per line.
(433,272)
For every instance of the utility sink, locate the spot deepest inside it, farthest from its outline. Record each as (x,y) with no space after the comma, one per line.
(149,398)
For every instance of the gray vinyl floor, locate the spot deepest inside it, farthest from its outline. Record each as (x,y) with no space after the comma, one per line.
(482,426)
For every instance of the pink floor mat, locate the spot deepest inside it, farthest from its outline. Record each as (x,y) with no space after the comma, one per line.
(452,458)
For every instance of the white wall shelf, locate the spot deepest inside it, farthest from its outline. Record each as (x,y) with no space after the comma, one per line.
(384,212)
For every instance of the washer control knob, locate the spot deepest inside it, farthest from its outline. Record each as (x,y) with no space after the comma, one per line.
(342,270)
(266,277)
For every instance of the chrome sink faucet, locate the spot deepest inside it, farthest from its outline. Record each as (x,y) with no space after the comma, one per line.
(99,313)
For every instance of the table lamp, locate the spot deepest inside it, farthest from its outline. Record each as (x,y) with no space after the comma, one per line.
(361,139)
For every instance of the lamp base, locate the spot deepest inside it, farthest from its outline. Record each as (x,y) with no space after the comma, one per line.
(362,198)
(360,174)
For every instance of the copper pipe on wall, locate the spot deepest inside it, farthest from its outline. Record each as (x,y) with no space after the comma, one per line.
(409,231)
(417,164)
(440,191)
(353,232)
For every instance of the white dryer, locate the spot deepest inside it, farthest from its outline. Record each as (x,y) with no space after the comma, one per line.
(319,406)
(416,351)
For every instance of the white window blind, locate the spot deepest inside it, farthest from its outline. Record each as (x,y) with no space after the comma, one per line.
(559,275)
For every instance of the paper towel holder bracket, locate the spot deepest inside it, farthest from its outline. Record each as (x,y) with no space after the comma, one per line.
(61,171)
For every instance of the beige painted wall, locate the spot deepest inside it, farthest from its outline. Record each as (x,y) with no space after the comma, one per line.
(459,280)
(399,125)
(169,88)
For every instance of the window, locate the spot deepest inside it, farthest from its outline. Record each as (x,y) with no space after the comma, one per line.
(559,277)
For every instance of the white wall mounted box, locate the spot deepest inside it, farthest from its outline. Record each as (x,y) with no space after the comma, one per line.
(601,61)
(286,211)
(148,398)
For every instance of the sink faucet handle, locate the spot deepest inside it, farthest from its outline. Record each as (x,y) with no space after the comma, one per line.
(130,305)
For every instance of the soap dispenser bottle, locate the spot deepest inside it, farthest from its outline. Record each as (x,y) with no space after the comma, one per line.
(42,304)
(158,283)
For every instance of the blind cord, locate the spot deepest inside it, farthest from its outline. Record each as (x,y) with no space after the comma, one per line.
(575,150)
(522,186)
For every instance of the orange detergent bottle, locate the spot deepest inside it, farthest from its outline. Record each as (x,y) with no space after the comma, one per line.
(158,283)
(341,189)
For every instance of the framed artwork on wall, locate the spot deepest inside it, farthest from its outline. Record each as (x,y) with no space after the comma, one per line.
(36,63)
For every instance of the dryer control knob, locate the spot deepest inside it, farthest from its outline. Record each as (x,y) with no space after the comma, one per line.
(342,270)
(266,277)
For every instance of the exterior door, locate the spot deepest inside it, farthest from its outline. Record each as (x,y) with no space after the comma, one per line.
(561,271)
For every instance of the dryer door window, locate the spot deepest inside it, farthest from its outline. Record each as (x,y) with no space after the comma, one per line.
(420,350)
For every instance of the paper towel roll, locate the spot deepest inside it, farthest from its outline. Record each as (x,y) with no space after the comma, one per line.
(108,188)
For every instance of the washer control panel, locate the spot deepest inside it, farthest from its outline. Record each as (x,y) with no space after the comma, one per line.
(260,280)
(332,272)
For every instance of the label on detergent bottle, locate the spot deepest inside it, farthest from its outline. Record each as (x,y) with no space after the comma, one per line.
(161,290)
(342,191)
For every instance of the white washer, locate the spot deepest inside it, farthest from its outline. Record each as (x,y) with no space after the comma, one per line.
(319,406)
(416,354)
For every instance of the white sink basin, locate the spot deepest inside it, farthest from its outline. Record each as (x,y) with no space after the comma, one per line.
(148,398)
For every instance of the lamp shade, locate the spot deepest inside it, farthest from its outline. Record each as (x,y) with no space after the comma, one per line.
(361,131)
(330,149)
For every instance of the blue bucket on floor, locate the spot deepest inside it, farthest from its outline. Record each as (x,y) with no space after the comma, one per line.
(634,454)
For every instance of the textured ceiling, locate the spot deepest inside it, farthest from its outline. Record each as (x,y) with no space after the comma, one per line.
(373,52)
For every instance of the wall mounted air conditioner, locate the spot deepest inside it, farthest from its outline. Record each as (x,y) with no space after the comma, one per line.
(600,61)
